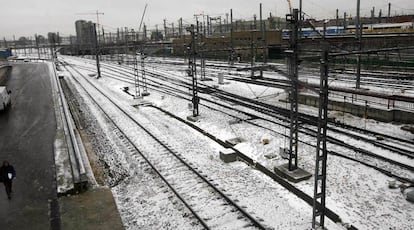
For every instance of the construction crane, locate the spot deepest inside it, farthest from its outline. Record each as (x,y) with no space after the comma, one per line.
(142,18)
(97,13)
(290,6)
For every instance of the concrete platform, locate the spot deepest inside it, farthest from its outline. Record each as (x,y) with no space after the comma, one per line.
(94,209)
(228,156)
(295,176)
(192,118)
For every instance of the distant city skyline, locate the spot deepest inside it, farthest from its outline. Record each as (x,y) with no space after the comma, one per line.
(25,18)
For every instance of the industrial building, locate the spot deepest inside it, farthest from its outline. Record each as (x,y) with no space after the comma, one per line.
(84,34)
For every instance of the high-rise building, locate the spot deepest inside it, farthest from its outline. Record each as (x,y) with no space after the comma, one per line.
(84,33)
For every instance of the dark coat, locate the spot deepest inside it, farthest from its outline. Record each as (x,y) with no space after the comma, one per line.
(4,170)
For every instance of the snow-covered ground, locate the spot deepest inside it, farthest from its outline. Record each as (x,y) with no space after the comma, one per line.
(360,195)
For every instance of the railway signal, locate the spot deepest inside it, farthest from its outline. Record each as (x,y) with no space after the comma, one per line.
(291,170)
(192,69)
(143,75)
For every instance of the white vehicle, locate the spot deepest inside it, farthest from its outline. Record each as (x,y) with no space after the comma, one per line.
(5,100)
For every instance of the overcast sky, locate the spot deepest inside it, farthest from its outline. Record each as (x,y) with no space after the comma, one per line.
(27,17)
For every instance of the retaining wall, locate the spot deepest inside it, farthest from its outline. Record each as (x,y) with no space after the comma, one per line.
(385,115)
(4,73)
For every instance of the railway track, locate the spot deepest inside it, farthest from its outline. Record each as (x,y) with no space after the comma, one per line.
(209,205)
(283,115)
(302,195)
(310,119)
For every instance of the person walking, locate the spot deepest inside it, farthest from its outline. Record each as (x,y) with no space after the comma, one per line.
(7,174)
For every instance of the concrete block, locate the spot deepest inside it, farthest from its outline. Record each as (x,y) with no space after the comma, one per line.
(192,118)
(392,184)
(235,121)
(270,156)
(220,77)
(140,102)
(228,156)
(410,196)
(206,79)
(295,176)
(235,141)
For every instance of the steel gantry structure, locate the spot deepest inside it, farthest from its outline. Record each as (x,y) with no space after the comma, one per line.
(136,78)
(319,192)
(319,206)
(292,53)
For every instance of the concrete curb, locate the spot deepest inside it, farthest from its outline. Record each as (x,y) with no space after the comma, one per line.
(70,170)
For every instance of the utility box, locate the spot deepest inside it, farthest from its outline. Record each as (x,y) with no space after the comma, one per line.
(220,77)
(228,156)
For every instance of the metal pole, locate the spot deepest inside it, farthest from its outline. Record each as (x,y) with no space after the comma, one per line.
(373,15)
(37,46)
(389,12)
(345,26)
(143,75)
(173,30)
(145,33)
(227,22)
(262,29)
(180,27)
(103,37)
(251,55)
(126,44)
(254,22)
(117,45)
(165,29)
(261,19)
(208,25)
(231,38)
(358,36)
(98,67)
(221,29)
(337,18)
(300,19)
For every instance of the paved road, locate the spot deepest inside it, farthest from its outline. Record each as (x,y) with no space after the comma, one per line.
(27,133)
